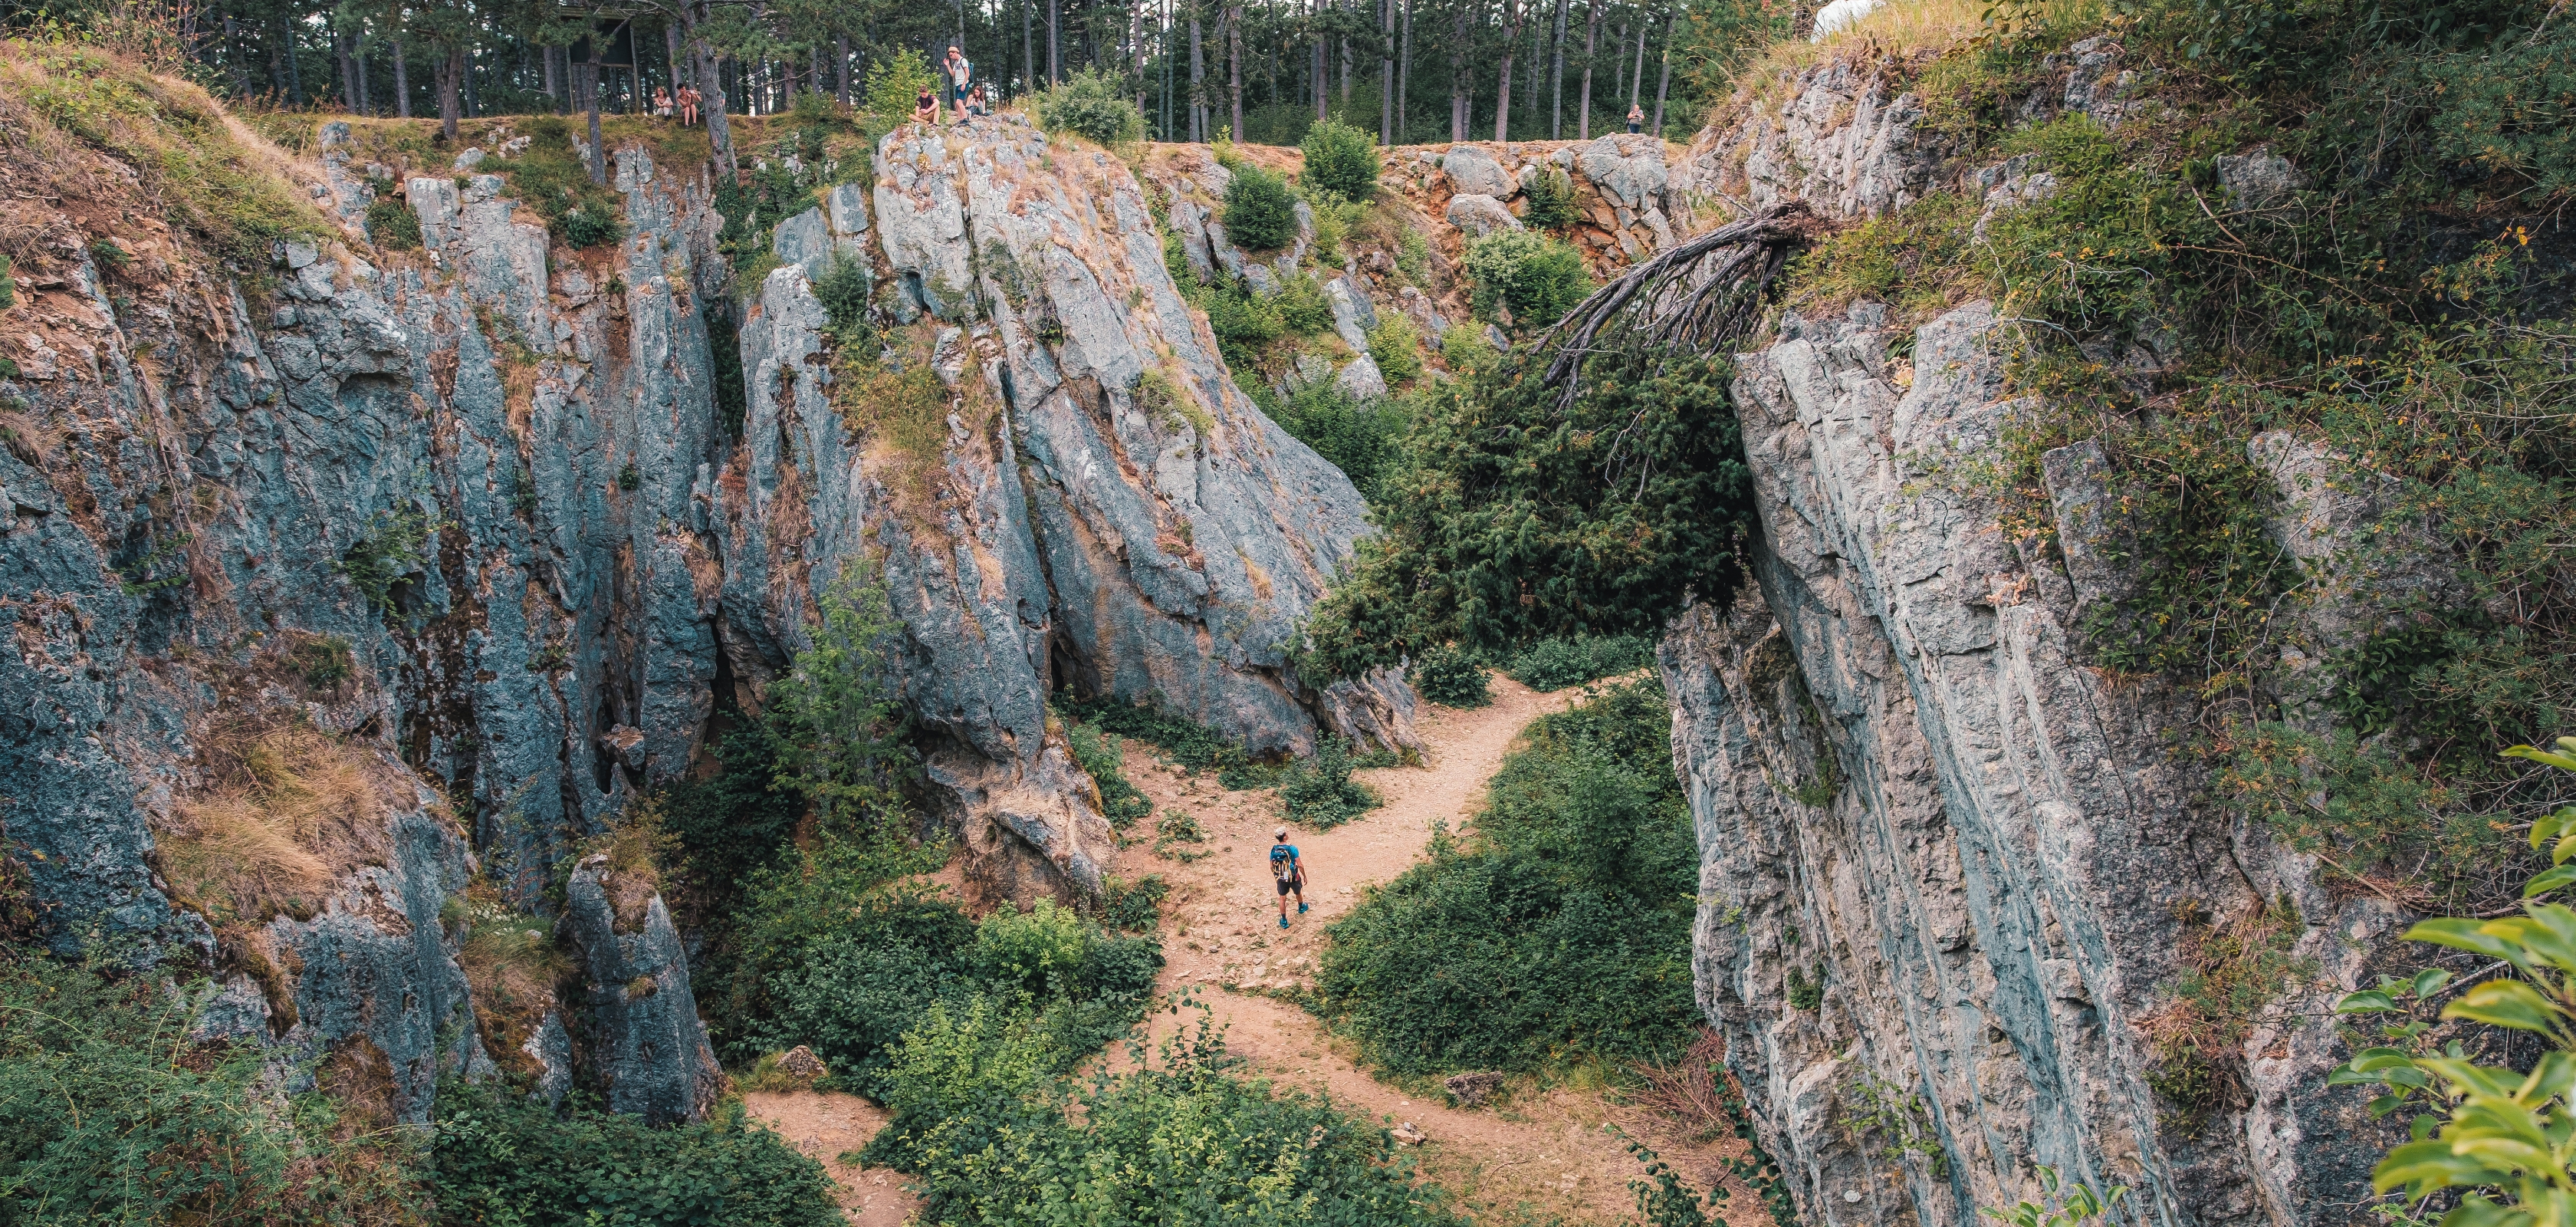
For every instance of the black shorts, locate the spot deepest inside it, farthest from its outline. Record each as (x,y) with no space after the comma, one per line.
(1289,884)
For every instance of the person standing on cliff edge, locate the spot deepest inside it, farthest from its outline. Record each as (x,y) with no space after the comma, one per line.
(1289,872)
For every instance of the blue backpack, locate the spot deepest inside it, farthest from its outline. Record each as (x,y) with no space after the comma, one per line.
(1283,863)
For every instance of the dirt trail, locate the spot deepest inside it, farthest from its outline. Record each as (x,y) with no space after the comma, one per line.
(1533,1156)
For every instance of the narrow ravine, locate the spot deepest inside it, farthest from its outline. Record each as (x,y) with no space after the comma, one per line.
(1536,1157)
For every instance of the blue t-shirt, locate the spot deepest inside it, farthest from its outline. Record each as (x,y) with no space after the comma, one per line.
(1283,862)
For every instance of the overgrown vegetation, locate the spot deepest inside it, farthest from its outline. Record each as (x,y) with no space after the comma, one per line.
(1571,660)
(550,177)
(995,1135)
(1359,438)
(509,1158)
(113,1114)
(1451,677)
(1512,521)
(1093,105)
(1526,280)
(1340,159)
(1557,932)
(1260,215)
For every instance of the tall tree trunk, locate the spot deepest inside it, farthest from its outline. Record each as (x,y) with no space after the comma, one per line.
(1198,81)
(702,66)
(358,56)
(1136,47)
(1055,42)
(1404,70)
(451,75)
(1583,105)
(1028,44)
(1234,66)
(1386,72)
(402,79)
(1637,75)
(1461,104)
(1556,74)
(348,69)
(587,81)
(1315,60)
(841,67)
(1664,80)
(1503,79)
(294,70)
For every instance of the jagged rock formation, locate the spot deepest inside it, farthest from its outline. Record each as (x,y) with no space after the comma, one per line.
(1109,512)
(646,1047)
(1940,855)
(488,483)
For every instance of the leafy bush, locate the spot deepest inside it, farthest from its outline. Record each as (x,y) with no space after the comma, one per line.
(843,290)
(1451,677)
(393,225)
(1093,105)
(110,1114)
(994,1139)
(1098,755)
(1243,322)
(1560,932)
(1191,745)
(1538,278)
(1549,196)
(1514,521)
(590,227)
(1320,793)
(1359,439)
(893,82)
(1341,159)
(509,1158)
(1260,215)
(1302,305)
(869,978)
(395,546)
(1396,346)
(1554,664)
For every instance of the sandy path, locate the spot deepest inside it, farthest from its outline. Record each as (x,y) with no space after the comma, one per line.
(1541,1155)
(1534,1156)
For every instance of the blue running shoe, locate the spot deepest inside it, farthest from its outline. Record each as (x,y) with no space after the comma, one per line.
(1283,922)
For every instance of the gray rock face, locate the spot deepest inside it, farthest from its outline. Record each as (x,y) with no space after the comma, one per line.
(646,1047)
(1353,315)
(1910,792)
(1842,143)
(1628,168)
(2257,179)
(1478,216)
(1472,171)
(1361,380)
(1077,533)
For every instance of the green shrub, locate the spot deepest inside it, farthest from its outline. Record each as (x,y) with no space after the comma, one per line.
(1554,664)
(1513,520)
(995,1140)
(1135,906)
(1560,932)
(551,178)
(1538,278)
(843,290)
(1192,746)
(1341,159)
(893,82)
(1303,306)
(1243,322)
(8,285)
(1549,196)
(1396,346)
(509,1158)
(393,225)
(1451,677)
(1093,105)
(1359,439)
(1260,215)
(591,226)
(1320,793)
(110,1114)
(1099,757)
(812,108)
(395,547)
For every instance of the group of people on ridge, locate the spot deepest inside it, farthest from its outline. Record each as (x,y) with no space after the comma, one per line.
(957,86)
(685,102)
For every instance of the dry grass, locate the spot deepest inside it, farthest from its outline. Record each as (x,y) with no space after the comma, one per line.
(1685,1095)
(285,811)
(635,847)
(1909,30)
(511,966)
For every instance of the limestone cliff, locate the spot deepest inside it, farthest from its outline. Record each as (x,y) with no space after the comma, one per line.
(1950,871)
(469,512)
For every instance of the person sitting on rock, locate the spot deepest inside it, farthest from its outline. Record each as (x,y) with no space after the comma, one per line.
(661,103)
(1290,873)
(925,108)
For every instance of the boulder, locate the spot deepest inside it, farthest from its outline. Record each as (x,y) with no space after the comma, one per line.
(1353,317)
(2257,179)
(1626,169)
(1361,380)
(1478,216)
(1472,171)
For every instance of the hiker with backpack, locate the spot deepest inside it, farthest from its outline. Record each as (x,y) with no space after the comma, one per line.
(1290,873)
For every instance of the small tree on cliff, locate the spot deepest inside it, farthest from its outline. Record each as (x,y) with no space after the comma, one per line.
(835,718)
